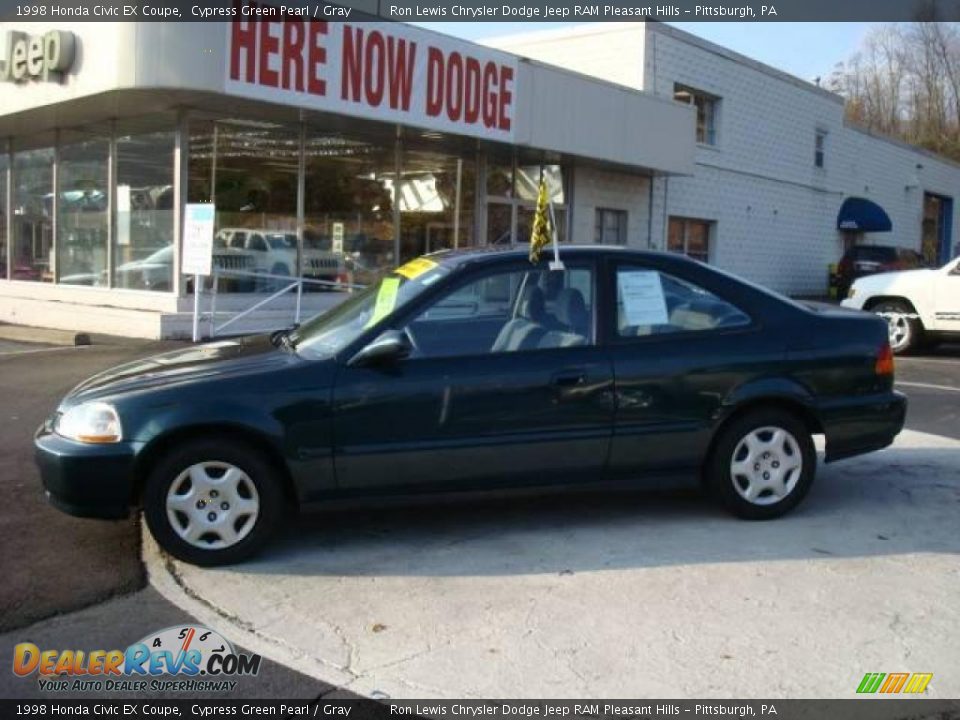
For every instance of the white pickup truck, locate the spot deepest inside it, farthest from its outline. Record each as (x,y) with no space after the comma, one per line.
(920,306)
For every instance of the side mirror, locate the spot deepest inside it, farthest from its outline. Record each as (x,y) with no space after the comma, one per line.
(390,347)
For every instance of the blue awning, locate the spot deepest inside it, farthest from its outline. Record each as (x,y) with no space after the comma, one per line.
(863,215)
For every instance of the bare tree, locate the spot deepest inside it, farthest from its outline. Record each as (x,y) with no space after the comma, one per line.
(905,82)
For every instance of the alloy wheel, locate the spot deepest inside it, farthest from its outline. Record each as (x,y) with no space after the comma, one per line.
(898,328)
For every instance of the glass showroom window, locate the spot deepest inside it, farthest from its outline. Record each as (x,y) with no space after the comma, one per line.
(512,200)
(349,213)
(4,165)
(690,237)
(143,252)
(436,197)
(32,210)
(248,168)
(706,106)
(526,185)
(83,219)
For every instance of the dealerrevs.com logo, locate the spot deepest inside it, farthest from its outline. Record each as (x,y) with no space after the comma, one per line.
(183,658)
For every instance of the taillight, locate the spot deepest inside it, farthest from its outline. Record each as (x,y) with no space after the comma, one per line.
(884,363)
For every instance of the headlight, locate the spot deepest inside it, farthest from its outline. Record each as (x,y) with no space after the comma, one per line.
(94,422)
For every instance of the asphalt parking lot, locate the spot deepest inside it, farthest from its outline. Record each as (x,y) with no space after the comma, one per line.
(472,599)
(54,563)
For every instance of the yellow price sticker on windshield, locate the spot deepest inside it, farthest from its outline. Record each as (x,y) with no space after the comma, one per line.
(416,267)
(386,300)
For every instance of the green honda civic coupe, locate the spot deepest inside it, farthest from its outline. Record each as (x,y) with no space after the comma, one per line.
(479,370)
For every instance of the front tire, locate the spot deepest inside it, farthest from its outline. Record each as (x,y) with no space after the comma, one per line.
(212,502)
(762,465)
(905,332)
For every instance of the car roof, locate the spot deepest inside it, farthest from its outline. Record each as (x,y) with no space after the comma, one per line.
(858,248)
(493,253)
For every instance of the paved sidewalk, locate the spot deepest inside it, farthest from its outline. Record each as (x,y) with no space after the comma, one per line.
(630,595)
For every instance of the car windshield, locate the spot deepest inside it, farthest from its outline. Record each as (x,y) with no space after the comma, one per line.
(330,332)
(282,242)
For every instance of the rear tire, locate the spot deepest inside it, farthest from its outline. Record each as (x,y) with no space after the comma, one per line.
(213,502)
(906,333)
(762,464)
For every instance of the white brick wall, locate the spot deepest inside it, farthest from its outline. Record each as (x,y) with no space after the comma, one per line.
(612,51)
(594,187)
(775,212)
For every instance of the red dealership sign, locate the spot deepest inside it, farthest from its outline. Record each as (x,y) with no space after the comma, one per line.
(383,71)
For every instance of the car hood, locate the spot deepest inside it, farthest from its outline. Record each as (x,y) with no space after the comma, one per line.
(224,358)
(830,309)
(879,280)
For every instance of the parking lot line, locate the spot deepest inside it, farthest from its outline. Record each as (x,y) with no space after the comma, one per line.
(929,386)
(907,362)
(9,353)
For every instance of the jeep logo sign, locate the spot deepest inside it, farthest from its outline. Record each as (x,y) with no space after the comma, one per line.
(38,57)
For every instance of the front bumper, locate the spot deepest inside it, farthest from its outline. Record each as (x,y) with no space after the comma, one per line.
(859,425)
(93,481)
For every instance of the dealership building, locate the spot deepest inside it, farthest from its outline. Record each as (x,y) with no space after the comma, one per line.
(336,150)
(781,185)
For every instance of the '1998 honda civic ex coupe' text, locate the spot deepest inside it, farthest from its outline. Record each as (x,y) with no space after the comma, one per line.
(472,370)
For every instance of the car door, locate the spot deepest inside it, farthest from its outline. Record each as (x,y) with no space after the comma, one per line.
(505,386)
(678,349)
(947,299)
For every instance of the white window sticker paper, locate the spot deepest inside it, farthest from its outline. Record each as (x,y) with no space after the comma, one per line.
(642,296)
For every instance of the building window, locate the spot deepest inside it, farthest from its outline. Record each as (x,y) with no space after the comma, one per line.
(512,188)
(83,220)
(611,227)
(4,162)
(690,237)
(32,215)
(351,191)
(819,149)
(249,170)
(437,199)
(707,107)
(143,245)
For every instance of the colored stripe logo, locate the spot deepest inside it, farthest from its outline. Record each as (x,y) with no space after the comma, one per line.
(894,683)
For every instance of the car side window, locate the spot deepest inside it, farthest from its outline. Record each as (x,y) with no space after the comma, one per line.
(508,311)
(650,302)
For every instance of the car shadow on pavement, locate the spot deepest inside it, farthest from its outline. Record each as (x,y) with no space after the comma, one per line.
(899,501)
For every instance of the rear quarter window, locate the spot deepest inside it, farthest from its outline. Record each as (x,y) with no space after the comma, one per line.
(653,303)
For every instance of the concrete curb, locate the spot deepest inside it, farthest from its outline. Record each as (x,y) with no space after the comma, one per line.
(48,336)
(163,576)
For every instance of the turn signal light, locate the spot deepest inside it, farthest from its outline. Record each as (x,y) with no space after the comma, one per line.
(884,364)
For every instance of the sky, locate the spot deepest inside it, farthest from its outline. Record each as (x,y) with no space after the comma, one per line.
(806,50)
